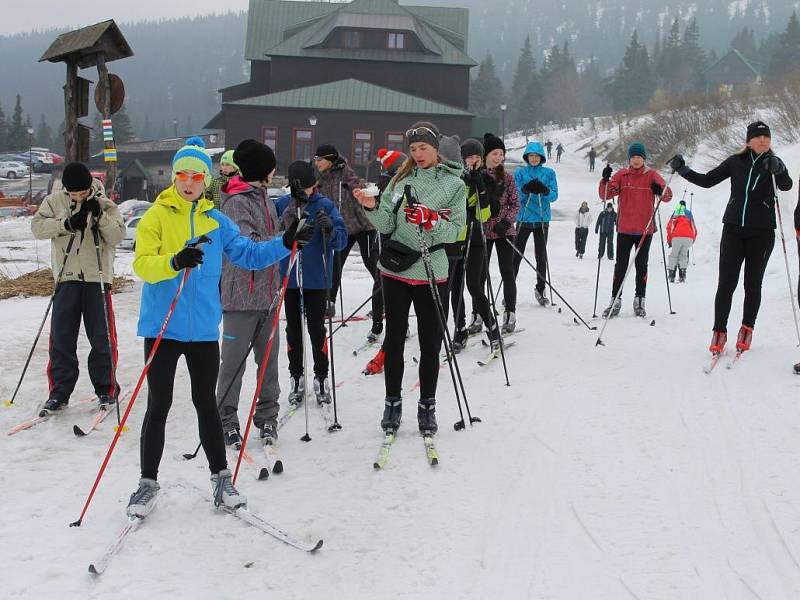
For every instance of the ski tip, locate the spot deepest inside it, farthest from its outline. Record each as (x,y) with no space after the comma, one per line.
(475,420)
(559,310)
(278,468)
(78,431)
(263,474)
(434,462)
(317,546)
(376,466)
(188,456)
(355,352)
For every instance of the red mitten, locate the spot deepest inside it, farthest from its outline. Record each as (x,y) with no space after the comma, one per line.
(419,214)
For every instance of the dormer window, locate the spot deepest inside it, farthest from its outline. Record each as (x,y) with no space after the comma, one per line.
(396,41)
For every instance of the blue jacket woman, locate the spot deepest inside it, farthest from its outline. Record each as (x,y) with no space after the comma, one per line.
(535,207)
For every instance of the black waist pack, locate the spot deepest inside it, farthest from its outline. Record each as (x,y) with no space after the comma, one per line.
(398,257)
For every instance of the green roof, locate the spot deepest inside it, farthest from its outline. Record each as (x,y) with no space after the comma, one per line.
(351,95)
(290,28)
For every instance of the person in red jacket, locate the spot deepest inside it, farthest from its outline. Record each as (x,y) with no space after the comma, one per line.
(637,187)
(681,234)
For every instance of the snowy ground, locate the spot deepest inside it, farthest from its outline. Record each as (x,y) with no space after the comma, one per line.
(601,473)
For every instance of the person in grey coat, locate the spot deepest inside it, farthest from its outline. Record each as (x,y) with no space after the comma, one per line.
(249,298)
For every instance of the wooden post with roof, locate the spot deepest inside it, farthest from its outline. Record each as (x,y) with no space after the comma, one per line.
(92,46)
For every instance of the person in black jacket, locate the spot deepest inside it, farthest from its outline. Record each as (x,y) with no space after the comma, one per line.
(748,232)
(605,224)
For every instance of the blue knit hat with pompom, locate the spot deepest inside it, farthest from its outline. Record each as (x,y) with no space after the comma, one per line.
(193,157)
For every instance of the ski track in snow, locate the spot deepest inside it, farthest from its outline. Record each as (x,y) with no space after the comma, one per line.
(608,472)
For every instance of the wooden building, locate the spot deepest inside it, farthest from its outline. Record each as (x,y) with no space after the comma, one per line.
(352,74)
(731,73)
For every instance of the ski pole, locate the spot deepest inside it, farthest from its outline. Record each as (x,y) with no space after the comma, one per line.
(569,306)
(203,239)
(691,248)
(265,360)
(460,304)
(305,437)
(597,286)
(452,362)
(353,314)
(339,262)
(786,258)
(493,304)
(10,403)
(664,255)
(106,319)
(336,426)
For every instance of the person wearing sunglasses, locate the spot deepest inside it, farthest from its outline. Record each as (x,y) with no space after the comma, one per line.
(437,208)
(167,246)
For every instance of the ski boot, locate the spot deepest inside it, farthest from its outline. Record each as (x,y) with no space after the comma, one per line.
(330,309)
(233,438)
(613,308)
(55,404)
(744,338)
(541,298)
(509,322)
(143,499)
(460,339)
(638,306)
(297,390)
(681,275)
(392,414)
(796,369)
(426,416)
(494,339)
(269,434)
(322,390)
(475,326)
(672,275)
(375,365)
(375,333)
(224,492)
(718,340)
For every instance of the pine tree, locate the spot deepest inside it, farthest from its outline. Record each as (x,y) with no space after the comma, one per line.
(162,130)
(786,57)
(632,86)
(745,42)
(694,58)
(123,128)
(486,92)
(523,87)
(3,131)
(147,129)
(44,135)
(17,133)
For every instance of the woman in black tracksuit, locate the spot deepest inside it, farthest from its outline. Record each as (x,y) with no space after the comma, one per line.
(748,232)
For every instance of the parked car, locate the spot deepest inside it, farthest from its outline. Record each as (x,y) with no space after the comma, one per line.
(129,241)
(137,212)
(12,211)
(128,207)
(12,170)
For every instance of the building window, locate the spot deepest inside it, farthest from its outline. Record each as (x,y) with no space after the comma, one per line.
(352,39)
(269,137)
(395,141)
(302,146)
(397,41)
(362,147)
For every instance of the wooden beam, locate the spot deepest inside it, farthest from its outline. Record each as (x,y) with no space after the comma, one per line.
(71,112)
(105,87)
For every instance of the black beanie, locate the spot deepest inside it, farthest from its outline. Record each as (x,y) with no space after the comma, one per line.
(328,152)
(756,129)
(76,177)
(254,159)
(303,173)
(471,147)
(492,142)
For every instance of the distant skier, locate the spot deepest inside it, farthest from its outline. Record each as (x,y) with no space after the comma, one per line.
(681,234)
(549,146)
(559,152)
(592,157)
(748,232)
(604,226)
(582,221)
(637,187)
(227,169)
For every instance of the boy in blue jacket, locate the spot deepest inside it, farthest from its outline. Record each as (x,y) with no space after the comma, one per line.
(330,235)
(538,188)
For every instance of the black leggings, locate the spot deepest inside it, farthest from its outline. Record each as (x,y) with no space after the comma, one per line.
(476,277)
(539,232)
(505,260)
(202,360)
(753,247)
(626,242)
(369,254)
(314,306)
(399,296)
(455,290)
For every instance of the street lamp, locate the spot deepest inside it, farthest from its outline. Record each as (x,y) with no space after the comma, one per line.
(175,127)
(503,108)
(30,164)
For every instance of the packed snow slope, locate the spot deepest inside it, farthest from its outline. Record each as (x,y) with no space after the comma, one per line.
(603,473)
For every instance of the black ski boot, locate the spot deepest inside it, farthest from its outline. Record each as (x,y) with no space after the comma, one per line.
(426,416)
(494,338)
(672,275)
(392,414)
(682,275)
(460,340)
(55,404)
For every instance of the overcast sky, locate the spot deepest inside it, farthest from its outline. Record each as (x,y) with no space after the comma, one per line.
(46,14)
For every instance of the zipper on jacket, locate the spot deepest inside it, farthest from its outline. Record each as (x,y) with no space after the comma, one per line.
(191,279)
(747,186)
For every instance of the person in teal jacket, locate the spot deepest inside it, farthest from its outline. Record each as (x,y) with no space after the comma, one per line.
(538,188)
(181,216)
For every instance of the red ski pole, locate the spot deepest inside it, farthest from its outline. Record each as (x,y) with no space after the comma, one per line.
(139,383)
(265,360)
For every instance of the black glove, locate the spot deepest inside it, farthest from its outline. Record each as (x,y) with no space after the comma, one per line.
(676,163)
(534,186)
(324,222)
(501,228)
(607,173)
(475,179)
(774,165)
(77,222)
(302,235)
(656,188)
(188,258)
(93,205)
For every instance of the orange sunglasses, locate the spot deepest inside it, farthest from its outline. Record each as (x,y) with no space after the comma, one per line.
(195,177)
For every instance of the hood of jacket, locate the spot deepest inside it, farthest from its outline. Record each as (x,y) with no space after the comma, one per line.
(236,185)
(534,148)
